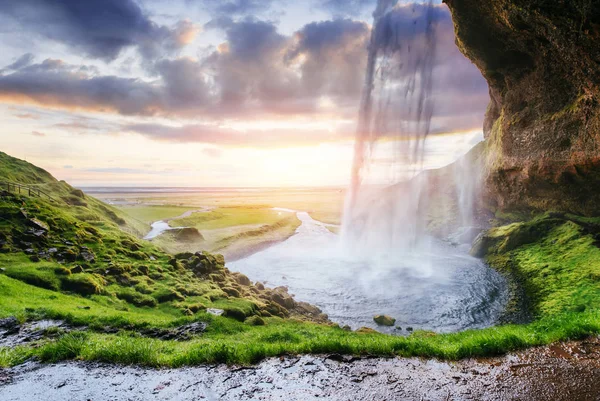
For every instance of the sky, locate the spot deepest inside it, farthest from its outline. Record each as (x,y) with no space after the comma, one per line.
(218,93)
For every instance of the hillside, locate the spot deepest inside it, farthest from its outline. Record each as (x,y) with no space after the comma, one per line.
(76,284)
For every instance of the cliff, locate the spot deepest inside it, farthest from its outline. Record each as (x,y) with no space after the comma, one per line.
(541,59)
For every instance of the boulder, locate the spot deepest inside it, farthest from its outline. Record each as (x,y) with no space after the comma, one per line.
(384,320)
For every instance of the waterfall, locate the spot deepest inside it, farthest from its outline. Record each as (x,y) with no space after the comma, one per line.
(382,211)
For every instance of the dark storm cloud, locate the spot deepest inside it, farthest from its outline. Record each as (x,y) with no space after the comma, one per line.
(250,70)
(332,58)
(98,28)
(56,84)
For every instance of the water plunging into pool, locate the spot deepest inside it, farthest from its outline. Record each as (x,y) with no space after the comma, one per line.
(386,261)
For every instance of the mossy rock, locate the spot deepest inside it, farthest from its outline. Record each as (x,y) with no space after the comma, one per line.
(78,193)
(136,298)
(384,320)
(232,292)
(242,279)
(83,283)
(37,277)
(235,313)
(255,321)
(167,294)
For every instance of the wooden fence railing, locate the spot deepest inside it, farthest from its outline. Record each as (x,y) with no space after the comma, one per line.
(24,190)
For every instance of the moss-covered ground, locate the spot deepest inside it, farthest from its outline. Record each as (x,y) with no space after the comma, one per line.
(80,262)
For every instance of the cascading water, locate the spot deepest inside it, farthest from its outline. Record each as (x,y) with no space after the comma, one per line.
(382,214)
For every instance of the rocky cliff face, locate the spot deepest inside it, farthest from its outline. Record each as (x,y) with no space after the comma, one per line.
(541,59)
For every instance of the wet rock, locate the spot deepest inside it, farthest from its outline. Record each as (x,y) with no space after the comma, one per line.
(87,256)
(409,329)
(182,333)
(366,330)
(215,312)
(38,225)
(260,286)
(34,258)
(384,320)
(15,334)
(9,326)
(464,235)
(481,245)
(77,269)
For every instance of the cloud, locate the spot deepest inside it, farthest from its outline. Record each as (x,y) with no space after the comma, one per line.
(259,73)
(117,170)
(68,167)
(27,116)
(185,32)
(234,7)
(346,8)
(331,55)
(217,135)
(23,61)
(37,133)
(213,152)
(98,28)
(54,83)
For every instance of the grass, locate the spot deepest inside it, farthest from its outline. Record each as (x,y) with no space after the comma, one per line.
(555,259)
(224,217)
(232,231)
(152,213)
(131,286)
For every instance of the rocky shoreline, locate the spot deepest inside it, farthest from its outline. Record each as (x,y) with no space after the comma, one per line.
(566,371)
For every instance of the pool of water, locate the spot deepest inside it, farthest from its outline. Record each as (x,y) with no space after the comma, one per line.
(448,291)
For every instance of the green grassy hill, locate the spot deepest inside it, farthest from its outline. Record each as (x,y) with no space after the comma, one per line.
(76,259)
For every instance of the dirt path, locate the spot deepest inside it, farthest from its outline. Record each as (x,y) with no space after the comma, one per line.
(569,372)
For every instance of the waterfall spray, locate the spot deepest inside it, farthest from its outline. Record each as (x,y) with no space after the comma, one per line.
(382,208)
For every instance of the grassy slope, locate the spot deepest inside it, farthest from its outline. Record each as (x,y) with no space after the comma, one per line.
(234,231)
(152,213)
(555,258)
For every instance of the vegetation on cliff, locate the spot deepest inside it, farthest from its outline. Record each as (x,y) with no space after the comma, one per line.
(541,61)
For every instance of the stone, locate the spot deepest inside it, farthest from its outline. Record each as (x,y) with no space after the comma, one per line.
(384,320)
(215,312)
(87,256)
(540,60)
(242,279)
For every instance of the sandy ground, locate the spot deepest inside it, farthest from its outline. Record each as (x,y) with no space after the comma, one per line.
(566,371)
